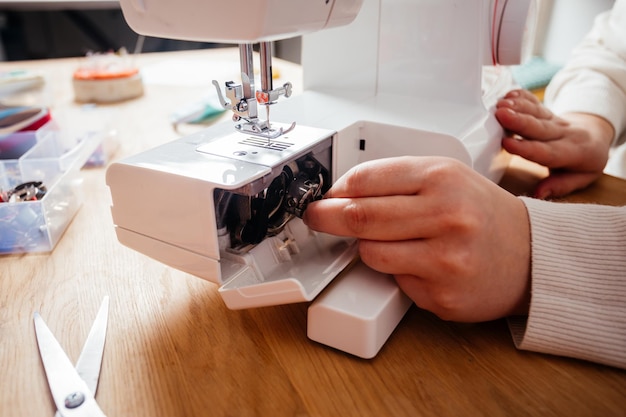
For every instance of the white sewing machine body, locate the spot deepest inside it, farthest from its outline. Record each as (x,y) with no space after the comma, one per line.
(396,81)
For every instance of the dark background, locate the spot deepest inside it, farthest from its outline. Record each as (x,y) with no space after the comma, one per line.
(41,34)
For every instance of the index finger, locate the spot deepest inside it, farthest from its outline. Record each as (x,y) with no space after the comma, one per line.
(385,218)
(383,177)
(531,127)
(388,199)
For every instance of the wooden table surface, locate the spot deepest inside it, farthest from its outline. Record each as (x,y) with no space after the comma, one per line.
(174,349)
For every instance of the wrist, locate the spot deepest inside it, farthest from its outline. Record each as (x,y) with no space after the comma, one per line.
(522,271)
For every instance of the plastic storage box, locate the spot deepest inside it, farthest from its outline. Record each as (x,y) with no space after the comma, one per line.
(54,159)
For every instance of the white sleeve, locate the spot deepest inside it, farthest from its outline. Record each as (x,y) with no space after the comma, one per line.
(578,282)
(594,78)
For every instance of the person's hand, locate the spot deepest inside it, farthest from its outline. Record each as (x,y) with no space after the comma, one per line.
(456,243)
(575,147)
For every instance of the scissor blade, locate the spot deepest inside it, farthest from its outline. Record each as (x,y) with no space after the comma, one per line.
(90,359)
(65,384)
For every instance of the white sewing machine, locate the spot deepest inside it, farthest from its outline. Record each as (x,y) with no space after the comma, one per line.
(404,78)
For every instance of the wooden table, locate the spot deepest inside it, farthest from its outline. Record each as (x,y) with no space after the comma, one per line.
(173,349)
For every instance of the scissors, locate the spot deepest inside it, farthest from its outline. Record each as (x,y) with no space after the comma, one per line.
(73,388)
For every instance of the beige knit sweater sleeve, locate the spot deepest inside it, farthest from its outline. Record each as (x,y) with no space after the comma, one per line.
(578,300)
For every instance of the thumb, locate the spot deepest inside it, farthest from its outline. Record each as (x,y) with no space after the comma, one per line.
(560,184)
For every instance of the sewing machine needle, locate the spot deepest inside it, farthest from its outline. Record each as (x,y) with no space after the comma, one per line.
(269,126)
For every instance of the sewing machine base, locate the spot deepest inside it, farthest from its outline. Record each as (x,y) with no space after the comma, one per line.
(364,307)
